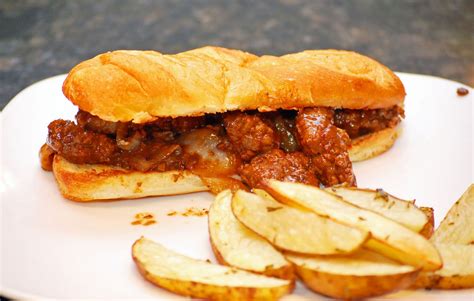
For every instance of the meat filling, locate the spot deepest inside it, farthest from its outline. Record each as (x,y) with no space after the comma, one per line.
(250,134)
(326,144)
(93,123)
(159,146)
(309,146)
(78,145)
(87,147)
(276,164)
(361,122)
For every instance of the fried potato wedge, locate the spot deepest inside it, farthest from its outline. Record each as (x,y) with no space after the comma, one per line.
(200,279)
(361,274)
(235,245)
(401,211)
(458,225)
(457,271)
(428,229)
(293,229)
(388,237)
(454,239)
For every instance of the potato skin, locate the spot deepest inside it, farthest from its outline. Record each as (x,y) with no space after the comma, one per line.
(428,229)
(432,281)
(354,287)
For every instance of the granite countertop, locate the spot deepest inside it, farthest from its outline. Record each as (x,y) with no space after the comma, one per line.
(42,38)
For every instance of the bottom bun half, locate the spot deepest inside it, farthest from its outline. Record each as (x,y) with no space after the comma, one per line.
(374,144)
(89,182)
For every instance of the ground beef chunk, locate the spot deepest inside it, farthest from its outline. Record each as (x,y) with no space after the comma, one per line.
(249,134)
(326,144)
(360,122)
(94,123)
(86,147)
(76,145)
(276,164)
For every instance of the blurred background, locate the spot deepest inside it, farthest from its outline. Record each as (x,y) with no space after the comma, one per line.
(42,38)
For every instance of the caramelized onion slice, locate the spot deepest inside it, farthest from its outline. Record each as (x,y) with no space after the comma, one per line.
(158,155)
(127,141)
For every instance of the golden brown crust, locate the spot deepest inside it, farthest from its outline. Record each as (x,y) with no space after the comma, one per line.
(139,86)
(430,281)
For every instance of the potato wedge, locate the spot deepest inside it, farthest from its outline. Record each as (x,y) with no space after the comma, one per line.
(200,279)
(235,245)
(388,237)
(361,274)
(458,225)
(295,230)
(401,211)
(457,271)
(428,229)
(454,239)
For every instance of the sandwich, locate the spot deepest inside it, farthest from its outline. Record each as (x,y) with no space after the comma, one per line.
(151,124)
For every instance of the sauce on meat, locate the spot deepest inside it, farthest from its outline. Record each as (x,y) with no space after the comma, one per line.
(276,164)
(250,134)
(361,122)
(326,144)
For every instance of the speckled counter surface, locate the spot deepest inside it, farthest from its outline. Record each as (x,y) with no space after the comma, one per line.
(42,38)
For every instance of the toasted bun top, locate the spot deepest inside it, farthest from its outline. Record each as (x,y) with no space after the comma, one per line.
(139,86)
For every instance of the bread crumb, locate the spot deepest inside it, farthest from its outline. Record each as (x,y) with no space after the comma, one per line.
(144,219)
(191,211)
(142,215)
(149,222)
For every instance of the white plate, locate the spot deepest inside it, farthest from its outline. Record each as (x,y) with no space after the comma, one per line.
(55,248)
